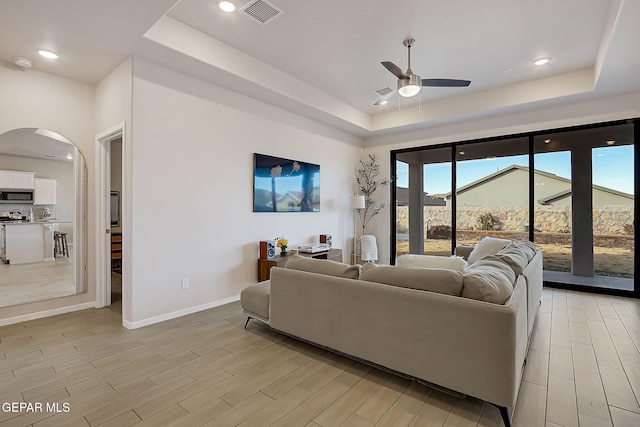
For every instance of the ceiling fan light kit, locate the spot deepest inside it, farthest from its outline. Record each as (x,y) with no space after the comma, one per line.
(409,87)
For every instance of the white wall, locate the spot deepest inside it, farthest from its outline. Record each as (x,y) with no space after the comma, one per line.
(112,108)
(541,118)
(192,154)
(32,99)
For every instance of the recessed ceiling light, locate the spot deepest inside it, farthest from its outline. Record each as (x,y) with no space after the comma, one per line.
(461,153)
(22,62)
(47,54)
(611,142)
(383,102)
(226,6)
(546,141)
(541,61)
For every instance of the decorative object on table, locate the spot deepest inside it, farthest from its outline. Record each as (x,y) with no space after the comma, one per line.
(367,183)
(283,185)
(368,248)
(325,239)
(282,243)
(267,249)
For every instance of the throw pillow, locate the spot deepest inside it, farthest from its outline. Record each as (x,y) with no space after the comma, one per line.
(424,279)
(323,266)
(489,279)
(487,246)
(431,261)
(515,257)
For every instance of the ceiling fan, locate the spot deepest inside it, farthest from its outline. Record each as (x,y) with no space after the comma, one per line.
(409,84)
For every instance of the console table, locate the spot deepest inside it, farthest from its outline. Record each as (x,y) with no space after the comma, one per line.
(264,265)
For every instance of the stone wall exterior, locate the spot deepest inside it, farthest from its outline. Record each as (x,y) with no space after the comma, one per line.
(608,220)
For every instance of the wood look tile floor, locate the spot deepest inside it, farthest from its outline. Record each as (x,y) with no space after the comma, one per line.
(25,283)
(204,369)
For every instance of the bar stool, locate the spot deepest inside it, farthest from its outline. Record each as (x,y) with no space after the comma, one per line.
(60,246)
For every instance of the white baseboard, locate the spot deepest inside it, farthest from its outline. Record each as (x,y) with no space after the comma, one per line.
(46,313)
(179,313)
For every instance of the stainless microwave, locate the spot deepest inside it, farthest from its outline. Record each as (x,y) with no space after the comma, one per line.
(16,196)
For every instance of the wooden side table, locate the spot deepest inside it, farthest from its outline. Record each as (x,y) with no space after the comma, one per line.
(265,265)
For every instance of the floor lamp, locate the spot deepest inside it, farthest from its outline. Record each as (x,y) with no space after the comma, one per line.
(355,202)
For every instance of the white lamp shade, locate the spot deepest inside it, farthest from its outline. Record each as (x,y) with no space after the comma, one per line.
(368,248)
(356,202)
(409,87)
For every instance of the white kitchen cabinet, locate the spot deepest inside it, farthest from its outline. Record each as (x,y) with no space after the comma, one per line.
(45,191)
(16,180)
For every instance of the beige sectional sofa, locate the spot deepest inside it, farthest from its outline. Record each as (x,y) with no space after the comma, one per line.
(418,322)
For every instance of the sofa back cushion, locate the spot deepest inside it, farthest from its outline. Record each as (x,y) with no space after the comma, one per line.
(425,279)
(528,248)
(489,279)
(487,246)
(431,261)
(515,257)
(323,266)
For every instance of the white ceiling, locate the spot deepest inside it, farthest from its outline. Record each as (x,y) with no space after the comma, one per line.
(322,59)
(37,144)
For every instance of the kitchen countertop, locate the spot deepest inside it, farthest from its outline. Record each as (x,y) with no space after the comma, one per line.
(38,221)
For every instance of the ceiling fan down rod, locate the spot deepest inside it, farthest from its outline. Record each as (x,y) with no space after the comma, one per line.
(407,43)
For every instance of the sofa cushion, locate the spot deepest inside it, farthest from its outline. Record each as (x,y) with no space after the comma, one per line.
(425,279)
(255,300)
(487,246)
(515,257)
(489,279)
(528,248)
(323,266)
(430,261)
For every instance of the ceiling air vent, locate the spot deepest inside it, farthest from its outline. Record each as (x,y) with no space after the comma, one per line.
(384,91)
(262,11)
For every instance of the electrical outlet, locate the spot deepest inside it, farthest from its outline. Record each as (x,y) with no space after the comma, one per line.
(185,283)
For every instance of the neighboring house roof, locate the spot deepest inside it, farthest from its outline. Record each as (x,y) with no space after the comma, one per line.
(555,197)
(402,198)
(548,199)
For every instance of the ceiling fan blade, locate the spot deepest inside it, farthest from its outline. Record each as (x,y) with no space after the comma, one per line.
(445,82)
(385,98)
(395,70)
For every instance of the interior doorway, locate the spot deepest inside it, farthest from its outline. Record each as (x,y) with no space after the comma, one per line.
(115,218)
(111,268)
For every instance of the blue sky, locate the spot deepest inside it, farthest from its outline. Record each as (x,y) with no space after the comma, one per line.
(612,166)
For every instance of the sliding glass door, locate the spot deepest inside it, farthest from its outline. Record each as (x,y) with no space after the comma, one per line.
(492,190)
(613,210)
(552,200)
(423,214)
(571,191)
